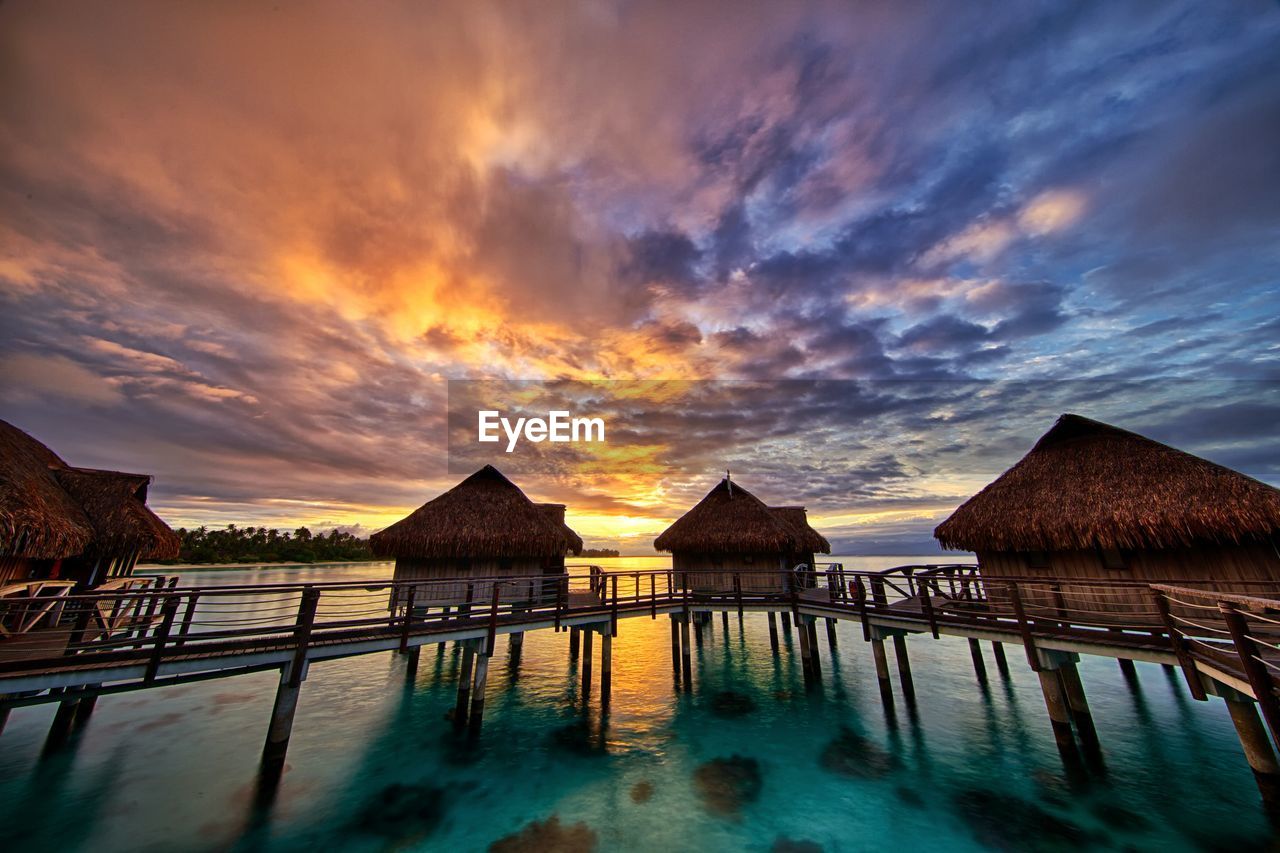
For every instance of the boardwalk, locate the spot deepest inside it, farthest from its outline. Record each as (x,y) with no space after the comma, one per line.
(149,636)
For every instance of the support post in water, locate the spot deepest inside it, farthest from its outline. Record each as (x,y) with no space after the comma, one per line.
(587,637)
(773,632)
(882,669)
(724,621)
(806,652)
(979,665)
(904,668)
(411,665)
(1078,705)
(815,663)
(1055,701)
(1129,670)
(1252,734)
(464,684)
(477,692)
(1002,662)
(606,668)
(675,647)
(686,653)
(282,712)
(831,634)
(786,623)
(575,636)
(60,728)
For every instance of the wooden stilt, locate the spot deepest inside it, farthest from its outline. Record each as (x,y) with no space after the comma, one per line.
(575,637)
(882,671)
(1002,663)
(516,643)
(1129,669)
(806,651)
(4,717)
(85,709)
(815,662)
(786,623)
(606,668)
(1253,737)
(588,637)
(411,665)
(675,647)
(686,654)
(773,631)
(724,621)
(477,693)
(1055,701)
(979,665)
(1078,705)
(904,668)
(60,728)
(831,634)
(282,712)
(464,685)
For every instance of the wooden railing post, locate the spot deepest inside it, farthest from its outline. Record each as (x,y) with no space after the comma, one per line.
(653,596)
(81,625)
(188,616)
(737,590)
(562,597)
(169,610)
(302,632)
(1264,688)
(860,601)
(926,605)
(491,639)
(408,618)
(1024,627)
(1179,644)
(613,618)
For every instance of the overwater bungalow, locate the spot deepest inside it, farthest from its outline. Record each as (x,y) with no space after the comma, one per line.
(1093,501)
(63,523)
(731,530)
(484,527)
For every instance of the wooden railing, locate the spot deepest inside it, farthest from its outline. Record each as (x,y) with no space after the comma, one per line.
(132,623)
(25,605)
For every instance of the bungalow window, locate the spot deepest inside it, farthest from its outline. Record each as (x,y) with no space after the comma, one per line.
(1036,559)
(1113,559)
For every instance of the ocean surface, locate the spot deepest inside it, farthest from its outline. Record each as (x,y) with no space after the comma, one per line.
(748,761)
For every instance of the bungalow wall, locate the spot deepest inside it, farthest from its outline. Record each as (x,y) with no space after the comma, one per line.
(713,573)
(1229,568)
(459,572)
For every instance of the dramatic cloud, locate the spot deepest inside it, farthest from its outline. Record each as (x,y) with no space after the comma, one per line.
(245,246)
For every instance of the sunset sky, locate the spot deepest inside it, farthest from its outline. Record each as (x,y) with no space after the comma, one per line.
(243,246)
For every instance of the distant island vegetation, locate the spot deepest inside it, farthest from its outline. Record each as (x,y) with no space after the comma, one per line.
(263,545)
(268,545)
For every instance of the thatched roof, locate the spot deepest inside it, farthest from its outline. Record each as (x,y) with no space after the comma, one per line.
(1086,484)
(796,519)
(116,504)
(486,515)
(38,519)
(50,510)
(731,520)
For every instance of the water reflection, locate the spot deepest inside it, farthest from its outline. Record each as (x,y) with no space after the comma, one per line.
(746,760)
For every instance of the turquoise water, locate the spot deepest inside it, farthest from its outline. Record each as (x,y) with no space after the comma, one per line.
(748,761)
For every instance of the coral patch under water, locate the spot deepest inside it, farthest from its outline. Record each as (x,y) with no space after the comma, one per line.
(548,836)
(727,784)
(642,792)
(403,813)
(1006,822)
(731,703)
(851,754)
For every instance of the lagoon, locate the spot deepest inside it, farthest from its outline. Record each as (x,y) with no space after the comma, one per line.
(748,761)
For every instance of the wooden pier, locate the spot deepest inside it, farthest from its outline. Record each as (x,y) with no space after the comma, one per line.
(70,649)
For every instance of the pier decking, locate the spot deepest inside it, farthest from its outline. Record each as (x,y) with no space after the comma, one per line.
(148,636)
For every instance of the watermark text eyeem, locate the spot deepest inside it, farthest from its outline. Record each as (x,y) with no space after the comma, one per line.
(556,427)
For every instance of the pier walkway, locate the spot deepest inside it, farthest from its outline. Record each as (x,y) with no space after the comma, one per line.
(148,632)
